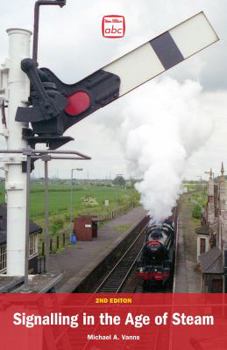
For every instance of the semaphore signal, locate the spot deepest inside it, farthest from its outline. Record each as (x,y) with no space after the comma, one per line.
(56,106)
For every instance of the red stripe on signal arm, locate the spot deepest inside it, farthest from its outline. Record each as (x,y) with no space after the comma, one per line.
(78,103)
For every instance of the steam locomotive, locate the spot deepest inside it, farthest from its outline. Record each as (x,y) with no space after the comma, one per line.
(156,261)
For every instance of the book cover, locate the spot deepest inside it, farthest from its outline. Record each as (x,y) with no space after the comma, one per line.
(113,215)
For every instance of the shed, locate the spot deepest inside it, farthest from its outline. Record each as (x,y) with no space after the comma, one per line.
(34,231)
(212,270)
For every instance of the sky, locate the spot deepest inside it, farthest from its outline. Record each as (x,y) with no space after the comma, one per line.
(72,46)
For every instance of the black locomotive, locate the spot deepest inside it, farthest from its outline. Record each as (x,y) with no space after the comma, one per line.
(156,262)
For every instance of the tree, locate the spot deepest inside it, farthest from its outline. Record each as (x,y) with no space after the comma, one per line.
(119,181)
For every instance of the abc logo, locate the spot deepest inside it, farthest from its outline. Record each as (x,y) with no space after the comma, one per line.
(113,30)
(113,26)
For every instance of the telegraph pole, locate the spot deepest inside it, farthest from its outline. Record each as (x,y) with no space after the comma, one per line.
(71,195)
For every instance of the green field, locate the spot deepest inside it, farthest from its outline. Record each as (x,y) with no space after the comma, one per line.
(87,199)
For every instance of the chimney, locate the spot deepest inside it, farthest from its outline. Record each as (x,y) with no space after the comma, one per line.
(222,169)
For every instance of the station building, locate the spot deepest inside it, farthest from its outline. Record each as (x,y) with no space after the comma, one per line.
(212,237)
(34,231)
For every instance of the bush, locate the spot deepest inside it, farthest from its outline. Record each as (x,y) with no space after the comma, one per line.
(89,202)
(57,224)
(67,216)
(197,211)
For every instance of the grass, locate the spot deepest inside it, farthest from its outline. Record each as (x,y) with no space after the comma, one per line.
(199,197)
(198,200)
(60,200)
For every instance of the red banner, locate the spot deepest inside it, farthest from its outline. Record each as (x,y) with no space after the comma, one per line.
(113,321)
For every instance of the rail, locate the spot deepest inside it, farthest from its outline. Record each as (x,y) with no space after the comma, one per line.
(116,278)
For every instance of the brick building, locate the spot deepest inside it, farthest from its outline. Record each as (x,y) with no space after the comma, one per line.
(212,236)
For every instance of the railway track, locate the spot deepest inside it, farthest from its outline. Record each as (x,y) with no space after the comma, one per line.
(115,280)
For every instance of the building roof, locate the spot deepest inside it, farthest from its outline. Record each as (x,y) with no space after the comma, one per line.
(212,261)
(33,227)
(202,230)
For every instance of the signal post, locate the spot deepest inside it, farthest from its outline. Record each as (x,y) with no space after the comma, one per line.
(16,188)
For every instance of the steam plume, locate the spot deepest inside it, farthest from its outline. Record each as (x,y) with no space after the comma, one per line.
(163,125)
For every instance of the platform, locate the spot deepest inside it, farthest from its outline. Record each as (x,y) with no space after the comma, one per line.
(44,283)
(187,279)
(8,283)
(77,262)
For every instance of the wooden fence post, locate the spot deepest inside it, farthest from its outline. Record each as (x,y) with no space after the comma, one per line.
(43,249)
(51,245)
